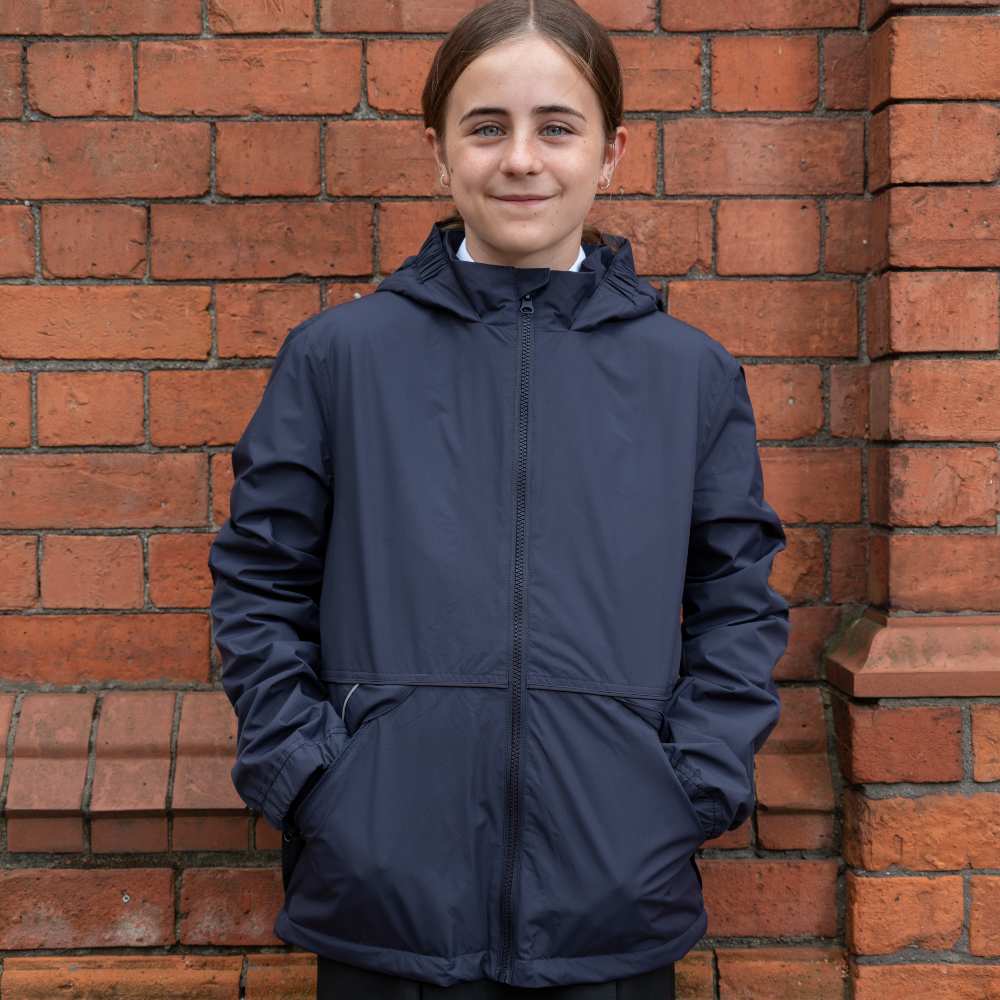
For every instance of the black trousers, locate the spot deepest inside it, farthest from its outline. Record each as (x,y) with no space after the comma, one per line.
(340,981)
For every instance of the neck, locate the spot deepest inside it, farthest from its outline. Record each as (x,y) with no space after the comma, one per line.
(560,256)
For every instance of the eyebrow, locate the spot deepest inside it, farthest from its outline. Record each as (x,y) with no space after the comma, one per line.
(541,109)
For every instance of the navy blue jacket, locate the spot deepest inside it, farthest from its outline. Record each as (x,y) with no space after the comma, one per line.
(467,515)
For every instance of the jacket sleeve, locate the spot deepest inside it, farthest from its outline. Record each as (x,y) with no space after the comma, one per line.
(735,626)
(266,564)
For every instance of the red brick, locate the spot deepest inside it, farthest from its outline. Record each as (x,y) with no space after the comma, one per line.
(661,72)
(93,241)
(6,713)
(396,73)
(768,237)
(18,576)
(17,241)
(110,17)
(887,914)
(86,908)
(80,78)
(850,245)
(795,972)
(92,571)
(151,977)
(845,72)
(849,549)
(944,226)
(934,399)
(811,629)
(104,159)
(729,15)
(942,58)
(208,812)
(403,226)
(790,156)
(925,981)
(985,741)
(346,291)
(765,73)
(15,404)
(813,484)
(267,158)
(11,103)
(50,768)
(235,16)
(798,569)
(802,726)
(849,400)
(261,240)
(178,570)
(117,322)
(222,484)
(81,408)
(795,782)
(896,743)
(203,407)
(965,577)
(910,311)
(392,15)
(129,793)
(621,15)
(787,399)
(645,222)
(766,898)
(932,143)
(378,158)
(79,649)
(253,319)
(932,832)
(229,906)
(796,831)
(103,489)
(984,928)
(236,76)
(776,318)
(268,976)
(925,487)
(636,171)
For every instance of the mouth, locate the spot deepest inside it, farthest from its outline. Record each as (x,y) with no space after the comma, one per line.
(524,199)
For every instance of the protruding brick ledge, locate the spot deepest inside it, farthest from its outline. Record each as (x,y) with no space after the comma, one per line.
(917,656)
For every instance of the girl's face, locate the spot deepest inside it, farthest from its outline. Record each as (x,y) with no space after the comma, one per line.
(522,122)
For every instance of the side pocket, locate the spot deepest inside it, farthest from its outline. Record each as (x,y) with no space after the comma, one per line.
(360,705)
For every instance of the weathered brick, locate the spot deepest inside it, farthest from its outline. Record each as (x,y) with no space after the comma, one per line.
(795,782)
(985,742)
(178,570)
(270,975)
(82,408)
(236,76)
(110,17)
(797,572)
(645,222)
(730,15)
(813,484)
(93,241)
(11,102)
(92,571)
(796,971)
(661,72)
(252,319)
(790,156)
(104,159)
(768,237)
(965,577)
(925,980)
(236,16)
(229,906)
(18,575)
(845,71)
(17,241)
(765,73)
(787,399)
(849,548)
(984,927)
(849,400)
(944,226)
(80,78)
(267,158)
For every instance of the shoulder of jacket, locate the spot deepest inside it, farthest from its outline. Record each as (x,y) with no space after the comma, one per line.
(715,364)
(320,332)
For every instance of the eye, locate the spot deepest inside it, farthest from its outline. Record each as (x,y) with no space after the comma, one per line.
(479,131)
(565,130)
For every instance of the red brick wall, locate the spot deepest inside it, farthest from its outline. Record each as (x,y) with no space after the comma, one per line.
(813,183)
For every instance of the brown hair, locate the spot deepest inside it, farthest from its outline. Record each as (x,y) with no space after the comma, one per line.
(564,22)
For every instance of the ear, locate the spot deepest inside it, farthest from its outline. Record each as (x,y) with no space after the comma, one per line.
(614,150)
(430,137)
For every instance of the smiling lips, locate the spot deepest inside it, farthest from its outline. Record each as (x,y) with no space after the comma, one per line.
(524,198)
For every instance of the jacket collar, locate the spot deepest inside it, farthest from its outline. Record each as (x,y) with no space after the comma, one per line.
(605,288)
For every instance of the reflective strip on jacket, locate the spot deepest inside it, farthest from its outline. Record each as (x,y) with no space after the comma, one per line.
(467,515)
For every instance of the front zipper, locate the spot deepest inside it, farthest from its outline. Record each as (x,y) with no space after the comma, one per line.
(513,785)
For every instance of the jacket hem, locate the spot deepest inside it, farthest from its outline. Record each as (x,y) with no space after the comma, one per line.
(539,972)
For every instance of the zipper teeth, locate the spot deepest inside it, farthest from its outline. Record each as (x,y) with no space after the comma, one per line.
(518,612)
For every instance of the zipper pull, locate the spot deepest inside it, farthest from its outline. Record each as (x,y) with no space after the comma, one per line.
(526,305)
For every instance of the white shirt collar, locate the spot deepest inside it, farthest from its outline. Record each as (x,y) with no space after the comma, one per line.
(463,254)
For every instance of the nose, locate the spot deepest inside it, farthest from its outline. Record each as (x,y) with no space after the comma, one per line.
(521,156)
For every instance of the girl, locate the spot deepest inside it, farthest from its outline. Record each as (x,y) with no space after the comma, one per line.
(463,687)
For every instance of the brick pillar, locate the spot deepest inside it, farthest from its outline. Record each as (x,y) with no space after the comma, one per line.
(916,678)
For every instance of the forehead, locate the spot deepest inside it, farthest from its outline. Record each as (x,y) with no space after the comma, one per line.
(520,74)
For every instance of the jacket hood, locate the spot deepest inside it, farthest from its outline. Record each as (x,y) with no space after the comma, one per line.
(605,288)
